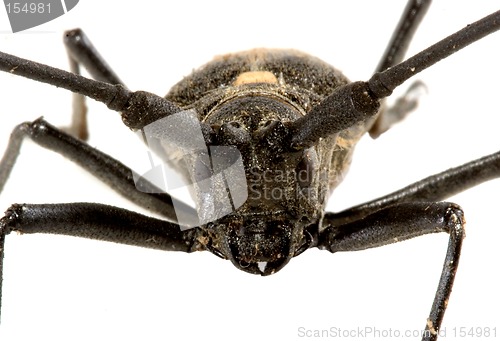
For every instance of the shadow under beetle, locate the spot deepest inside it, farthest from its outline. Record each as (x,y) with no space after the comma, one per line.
(288,120)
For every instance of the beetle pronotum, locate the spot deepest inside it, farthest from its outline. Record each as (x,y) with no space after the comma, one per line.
(277,316)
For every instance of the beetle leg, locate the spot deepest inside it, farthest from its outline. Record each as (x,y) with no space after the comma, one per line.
(96,221)
(112,172)
(433,188)
(411,18)
(404,105)
(81,51)
(400,222)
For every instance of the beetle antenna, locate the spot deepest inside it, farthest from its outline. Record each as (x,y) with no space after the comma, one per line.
(138,108)
(383,83)
(359,101)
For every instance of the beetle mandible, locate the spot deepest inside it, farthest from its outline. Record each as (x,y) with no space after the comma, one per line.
(437,169)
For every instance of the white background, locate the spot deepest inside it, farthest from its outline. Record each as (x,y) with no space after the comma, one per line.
(62,288)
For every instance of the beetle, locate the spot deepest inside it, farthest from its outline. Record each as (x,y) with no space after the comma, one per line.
(437,169)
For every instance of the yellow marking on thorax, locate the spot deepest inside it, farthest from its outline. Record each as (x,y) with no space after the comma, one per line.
(255,77)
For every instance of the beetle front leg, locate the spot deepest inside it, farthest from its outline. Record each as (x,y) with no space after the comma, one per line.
(401,222)
(96,221)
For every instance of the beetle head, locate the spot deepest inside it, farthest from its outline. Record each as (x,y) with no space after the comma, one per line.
(283,185)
